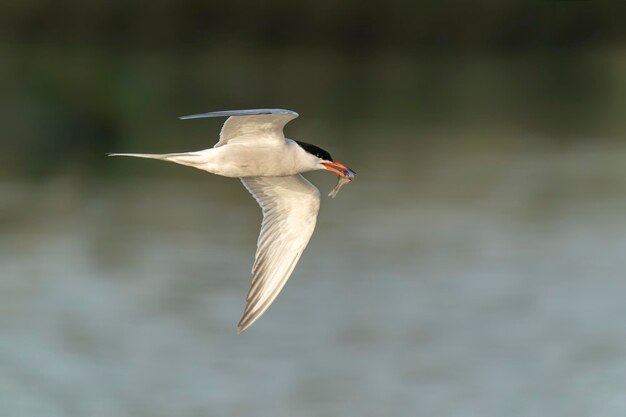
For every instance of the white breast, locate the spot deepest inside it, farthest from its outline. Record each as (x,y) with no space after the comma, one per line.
(251,160)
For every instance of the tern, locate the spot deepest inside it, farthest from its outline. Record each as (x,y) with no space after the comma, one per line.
(253,148)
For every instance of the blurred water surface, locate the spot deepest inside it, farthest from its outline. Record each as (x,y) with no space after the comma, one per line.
(461,284)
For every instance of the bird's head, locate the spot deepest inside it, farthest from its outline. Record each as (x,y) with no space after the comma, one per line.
(323,160)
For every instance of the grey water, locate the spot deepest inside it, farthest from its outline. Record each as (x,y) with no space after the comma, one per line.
(468,284)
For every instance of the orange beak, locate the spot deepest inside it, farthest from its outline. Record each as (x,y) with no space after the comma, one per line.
(339,169)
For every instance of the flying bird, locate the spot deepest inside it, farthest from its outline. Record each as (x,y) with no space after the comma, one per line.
(253,148)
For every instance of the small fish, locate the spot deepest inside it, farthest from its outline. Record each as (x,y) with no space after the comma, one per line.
(341,181)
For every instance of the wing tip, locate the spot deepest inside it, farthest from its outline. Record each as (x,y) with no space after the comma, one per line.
(244,324)
(250,316)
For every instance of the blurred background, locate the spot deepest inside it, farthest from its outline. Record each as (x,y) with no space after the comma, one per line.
(475,267)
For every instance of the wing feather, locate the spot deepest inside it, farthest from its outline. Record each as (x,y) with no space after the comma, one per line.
(245,125)
(290,206)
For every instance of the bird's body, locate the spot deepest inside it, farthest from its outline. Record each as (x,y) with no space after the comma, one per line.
(242,160)
(252,147)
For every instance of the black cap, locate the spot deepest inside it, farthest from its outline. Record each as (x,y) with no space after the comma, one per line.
(315,150)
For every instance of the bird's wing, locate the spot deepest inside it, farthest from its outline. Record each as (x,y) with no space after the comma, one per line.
(290,206)
(250,125)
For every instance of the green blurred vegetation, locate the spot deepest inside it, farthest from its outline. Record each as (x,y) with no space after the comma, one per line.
(79,79)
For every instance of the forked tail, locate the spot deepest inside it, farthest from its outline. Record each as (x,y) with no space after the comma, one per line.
(143,155)
(184,158)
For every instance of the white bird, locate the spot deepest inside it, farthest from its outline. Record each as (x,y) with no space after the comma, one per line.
(253,148)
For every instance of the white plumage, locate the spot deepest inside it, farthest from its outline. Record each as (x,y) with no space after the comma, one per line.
(252,146)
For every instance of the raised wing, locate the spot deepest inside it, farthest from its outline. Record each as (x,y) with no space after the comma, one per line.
(290,206)
(246,125)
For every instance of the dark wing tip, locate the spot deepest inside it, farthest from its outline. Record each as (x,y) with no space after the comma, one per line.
(243,324)
(250,112)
